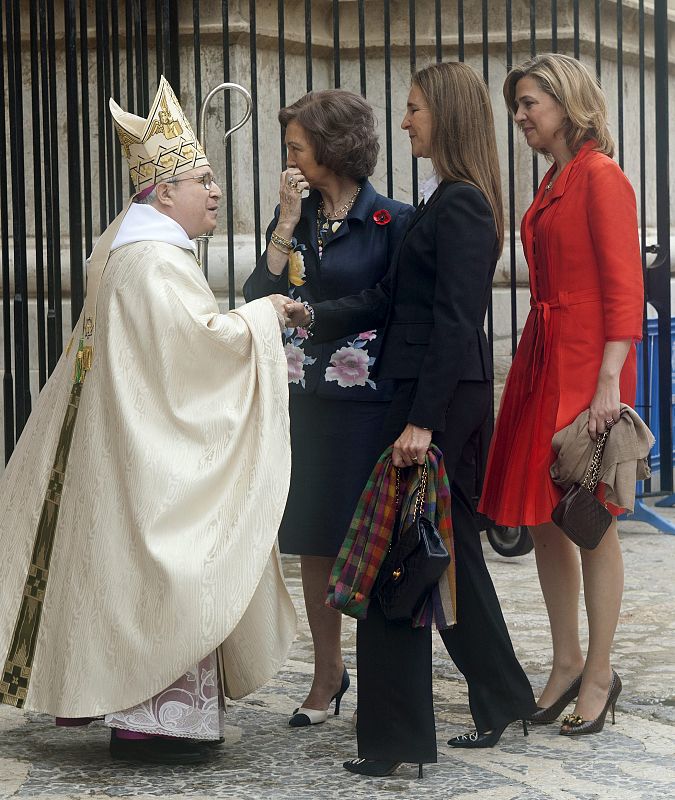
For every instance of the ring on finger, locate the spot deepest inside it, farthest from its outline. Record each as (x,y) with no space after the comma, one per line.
(292,182)
(609,422)
(298,188)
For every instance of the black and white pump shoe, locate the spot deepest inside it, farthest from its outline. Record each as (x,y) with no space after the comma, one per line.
(302,717)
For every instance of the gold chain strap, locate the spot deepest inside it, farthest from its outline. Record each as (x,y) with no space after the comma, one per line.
(592,475)
(421,493)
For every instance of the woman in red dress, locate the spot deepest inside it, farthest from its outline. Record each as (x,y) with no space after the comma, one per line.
(577,352)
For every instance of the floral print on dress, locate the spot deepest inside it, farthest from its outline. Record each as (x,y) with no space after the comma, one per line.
(350,366)
(296,265)
(294,338)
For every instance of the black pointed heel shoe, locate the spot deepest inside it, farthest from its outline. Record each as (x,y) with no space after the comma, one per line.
(376,769)
(475,739)
(302,717)
(544,716)
(575,725)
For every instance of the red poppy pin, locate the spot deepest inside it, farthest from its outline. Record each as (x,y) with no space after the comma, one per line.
(382,217)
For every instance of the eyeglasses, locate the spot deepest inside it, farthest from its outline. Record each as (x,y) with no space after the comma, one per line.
(206,181)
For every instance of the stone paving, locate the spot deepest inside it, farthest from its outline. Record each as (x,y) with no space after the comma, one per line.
(263,758)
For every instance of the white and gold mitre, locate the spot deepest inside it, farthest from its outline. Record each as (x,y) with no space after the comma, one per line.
(161,146)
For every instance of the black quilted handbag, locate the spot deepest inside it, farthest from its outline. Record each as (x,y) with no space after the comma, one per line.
(580,515)
(415,562)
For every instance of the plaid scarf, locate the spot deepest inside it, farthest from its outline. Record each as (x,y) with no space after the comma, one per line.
(370,534)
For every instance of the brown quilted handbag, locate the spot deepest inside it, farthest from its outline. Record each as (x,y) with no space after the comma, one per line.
(579,514)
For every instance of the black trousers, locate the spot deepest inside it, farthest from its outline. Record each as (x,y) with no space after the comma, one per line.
(395,703)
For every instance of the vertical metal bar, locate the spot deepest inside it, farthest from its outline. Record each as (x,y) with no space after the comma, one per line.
(439,33)
(387,96)
(460,30)
(173,60)
(101,113)
(7,377)
(282,71)
(619,75)
(413,69)
(141,104)
(129,45)
(362,46)
(168,46)
(533,52)
(486,78)
(15,96)
(336,44)
(646,410)
(308,44)
(115,152)
(254,129)
(131,76)
(37,200)
(160,41)
(104,46)
(575,7)
(55,187)
(554,26)
(512,191)
(486,51)
(74,186)
(598,40)
(51,202)
(196,41)
(86,133)
(659,282)
(143,49)
(229,192)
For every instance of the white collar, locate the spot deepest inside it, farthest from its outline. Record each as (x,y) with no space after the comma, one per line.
(143,223)
(429,186)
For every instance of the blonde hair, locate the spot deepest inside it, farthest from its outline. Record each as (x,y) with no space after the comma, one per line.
(463,144)
(568,82)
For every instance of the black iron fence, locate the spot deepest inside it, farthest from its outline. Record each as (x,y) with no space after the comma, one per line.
(61,60)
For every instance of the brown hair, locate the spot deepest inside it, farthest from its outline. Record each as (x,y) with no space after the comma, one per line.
(568,82)
(340,126)
(463,144)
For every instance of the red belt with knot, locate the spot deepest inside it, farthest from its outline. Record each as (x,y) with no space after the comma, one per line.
(543,308)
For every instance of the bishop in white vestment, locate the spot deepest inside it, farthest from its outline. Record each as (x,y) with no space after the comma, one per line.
(141,580)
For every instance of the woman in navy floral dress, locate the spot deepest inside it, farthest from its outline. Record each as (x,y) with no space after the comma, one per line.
(337,241)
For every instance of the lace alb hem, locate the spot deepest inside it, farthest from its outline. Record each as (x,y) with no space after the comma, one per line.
(189,708)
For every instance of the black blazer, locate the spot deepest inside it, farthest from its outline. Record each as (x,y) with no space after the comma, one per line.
(432,302)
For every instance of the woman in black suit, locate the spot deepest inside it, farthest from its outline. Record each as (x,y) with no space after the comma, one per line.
(433,303)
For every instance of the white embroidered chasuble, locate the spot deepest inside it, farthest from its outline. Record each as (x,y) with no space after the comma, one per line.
(165,546)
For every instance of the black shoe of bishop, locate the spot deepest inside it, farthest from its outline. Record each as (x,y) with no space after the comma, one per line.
(158,751)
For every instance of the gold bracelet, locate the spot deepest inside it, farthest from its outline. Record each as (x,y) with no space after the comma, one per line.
(280,242)
(280,249)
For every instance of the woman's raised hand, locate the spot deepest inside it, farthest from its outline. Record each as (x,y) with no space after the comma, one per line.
(291,186)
